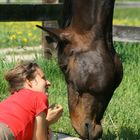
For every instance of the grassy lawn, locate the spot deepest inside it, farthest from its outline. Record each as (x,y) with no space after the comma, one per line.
(19,34)
(122,116)
(127,16)
(121,119)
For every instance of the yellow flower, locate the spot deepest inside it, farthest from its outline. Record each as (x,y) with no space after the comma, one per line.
(30,34)
(19,33)
(12,37)
(24,40)
(135,22)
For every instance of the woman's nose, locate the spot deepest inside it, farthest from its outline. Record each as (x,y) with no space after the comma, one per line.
(48,83)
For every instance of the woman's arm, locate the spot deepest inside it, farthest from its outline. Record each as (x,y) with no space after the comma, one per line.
(40,127)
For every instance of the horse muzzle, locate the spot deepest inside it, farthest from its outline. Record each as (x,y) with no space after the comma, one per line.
(92,131)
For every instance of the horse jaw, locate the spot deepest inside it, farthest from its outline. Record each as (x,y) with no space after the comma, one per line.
(83,115)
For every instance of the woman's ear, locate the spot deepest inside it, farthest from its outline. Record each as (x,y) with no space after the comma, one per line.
(28,83)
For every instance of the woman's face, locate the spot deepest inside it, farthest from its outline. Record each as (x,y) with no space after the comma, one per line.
(40,83)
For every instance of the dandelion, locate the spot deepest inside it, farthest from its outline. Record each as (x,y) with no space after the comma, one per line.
(24,40)
(126,21)
(19,33)
(13,37)
(34,28)
(30,34)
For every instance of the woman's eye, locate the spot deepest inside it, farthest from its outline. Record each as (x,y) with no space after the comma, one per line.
(44,77)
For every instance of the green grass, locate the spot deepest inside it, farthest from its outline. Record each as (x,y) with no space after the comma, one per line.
(127,16)
(128,13)
(19,34)
(122,116)
(121,119)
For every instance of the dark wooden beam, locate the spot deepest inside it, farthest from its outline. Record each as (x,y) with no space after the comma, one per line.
(30,12)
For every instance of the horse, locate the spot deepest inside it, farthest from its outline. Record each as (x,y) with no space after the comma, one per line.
(89,62)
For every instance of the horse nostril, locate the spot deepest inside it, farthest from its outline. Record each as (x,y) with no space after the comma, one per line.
(91,131)
(86,131)
(86,124)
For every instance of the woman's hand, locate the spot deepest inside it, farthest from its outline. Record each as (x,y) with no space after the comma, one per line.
(54,113)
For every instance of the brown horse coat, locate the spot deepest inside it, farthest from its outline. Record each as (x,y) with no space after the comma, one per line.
(90,64)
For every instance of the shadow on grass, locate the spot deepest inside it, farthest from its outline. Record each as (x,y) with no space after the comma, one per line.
(124,134)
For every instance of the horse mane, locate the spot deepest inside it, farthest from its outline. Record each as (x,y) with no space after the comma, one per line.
(67,13)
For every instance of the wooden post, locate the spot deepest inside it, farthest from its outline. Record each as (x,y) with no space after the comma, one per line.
(49,49)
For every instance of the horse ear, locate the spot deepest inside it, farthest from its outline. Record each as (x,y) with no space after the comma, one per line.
(56,34)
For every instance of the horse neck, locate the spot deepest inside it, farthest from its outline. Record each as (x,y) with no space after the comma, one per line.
(87,14)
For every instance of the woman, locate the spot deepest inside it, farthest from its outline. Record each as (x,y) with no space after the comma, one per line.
(25,115)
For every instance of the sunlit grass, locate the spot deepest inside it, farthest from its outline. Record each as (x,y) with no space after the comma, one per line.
(121,119)
(122,116)
(19,34)
(127,16)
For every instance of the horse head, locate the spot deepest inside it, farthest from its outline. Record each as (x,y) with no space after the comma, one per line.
(90,64)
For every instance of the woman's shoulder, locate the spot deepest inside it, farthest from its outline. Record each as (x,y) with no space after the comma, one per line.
(33,93)
(33,98)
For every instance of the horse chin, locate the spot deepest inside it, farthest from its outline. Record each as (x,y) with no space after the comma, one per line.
(90,131)
(95,132)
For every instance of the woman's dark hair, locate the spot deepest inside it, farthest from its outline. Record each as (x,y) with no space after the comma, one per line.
(18,75)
